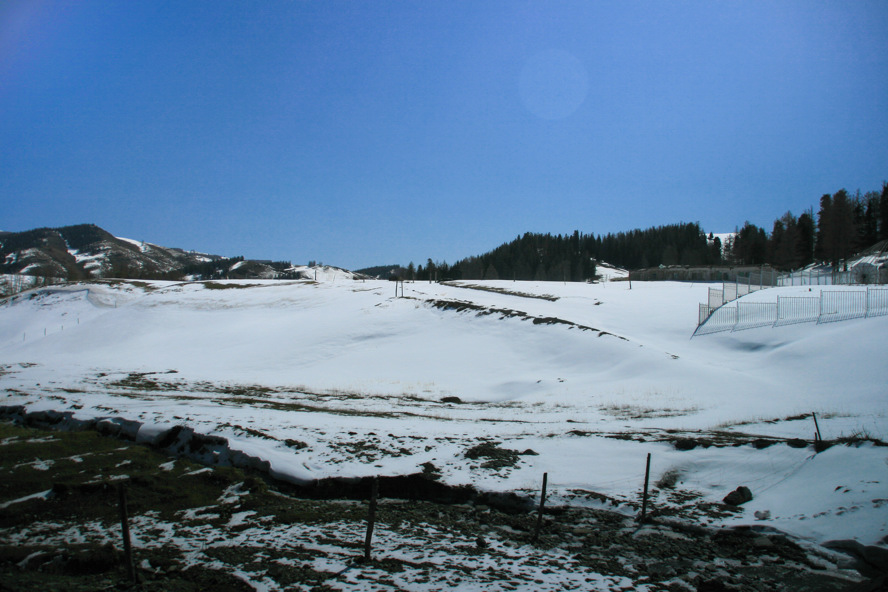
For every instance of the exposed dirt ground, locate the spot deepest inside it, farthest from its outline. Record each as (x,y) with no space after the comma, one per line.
(196,528)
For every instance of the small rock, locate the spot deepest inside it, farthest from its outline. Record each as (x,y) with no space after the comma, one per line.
(481,543)
(739,496)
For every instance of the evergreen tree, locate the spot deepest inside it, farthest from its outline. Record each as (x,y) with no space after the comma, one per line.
(804,248)
(868,231)
(843,228)
(883,213)
(824,244)
(750,245)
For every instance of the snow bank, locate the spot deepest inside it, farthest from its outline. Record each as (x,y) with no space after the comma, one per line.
(340,378)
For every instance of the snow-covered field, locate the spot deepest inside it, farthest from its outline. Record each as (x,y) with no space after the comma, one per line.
(590,377)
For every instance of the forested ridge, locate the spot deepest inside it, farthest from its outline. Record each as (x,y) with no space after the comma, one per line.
(843,225)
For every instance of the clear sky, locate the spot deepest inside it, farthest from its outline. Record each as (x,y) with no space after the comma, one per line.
(363,133)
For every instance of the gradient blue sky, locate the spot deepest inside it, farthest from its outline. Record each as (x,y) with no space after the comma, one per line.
(363,133)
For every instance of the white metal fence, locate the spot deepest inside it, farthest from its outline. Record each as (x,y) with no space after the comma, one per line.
(863,273)
(830,306)
(739,287)
(816,277)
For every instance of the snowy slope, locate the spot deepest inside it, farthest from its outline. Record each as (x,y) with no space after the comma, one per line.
(607,272)
(324,273)
(591,377)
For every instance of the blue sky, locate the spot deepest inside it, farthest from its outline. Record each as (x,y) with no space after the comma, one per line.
(363,133)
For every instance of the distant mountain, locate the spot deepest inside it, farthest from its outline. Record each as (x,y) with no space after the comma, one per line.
(86,251)
(384,271)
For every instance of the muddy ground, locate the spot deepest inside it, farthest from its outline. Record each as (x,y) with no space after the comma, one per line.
(200,528)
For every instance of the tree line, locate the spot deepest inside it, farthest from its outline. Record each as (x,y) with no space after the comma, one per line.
(843,225)
(572,257)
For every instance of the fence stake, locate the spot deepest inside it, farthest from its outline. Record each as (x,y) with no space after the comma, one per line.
(371,518)
(644,499)
(536,533)
(124,528)
(817,437)
(866,304)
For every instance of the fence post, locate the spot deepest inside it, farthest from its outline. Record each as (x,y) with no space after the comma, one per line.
(371,518)
(124,529)
(536,533)
(644,498)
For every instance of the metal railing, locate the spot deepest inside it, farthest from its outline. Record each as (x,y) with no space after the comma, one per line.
(797,309)
(723,318)
(815,278)
(865,273)
(755,314)
(876,302)
(830,306)
(842,306)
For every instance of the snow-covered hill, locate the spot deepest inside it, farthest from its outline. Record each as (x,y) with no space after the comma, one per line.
(590,377)
(607,272)
(87,251)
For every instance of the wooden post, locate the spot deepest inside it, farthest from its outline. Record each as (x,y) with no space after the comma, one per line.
(644,499)
(539,524)
(371,518)
(817,437)
(124,528)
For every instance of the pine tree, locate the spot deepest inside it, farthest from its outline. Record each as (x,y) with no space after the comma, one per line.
(844,231)
(824,245)
(883,213)
(804,247)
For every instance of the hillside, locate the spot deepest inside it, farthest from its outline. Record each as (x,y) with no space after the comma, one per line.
(197,528)
(591,378)
(86,251)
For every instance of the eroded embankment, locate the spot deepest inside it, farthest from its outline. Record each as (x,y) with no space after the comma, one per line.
(504,313)
(183,442)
